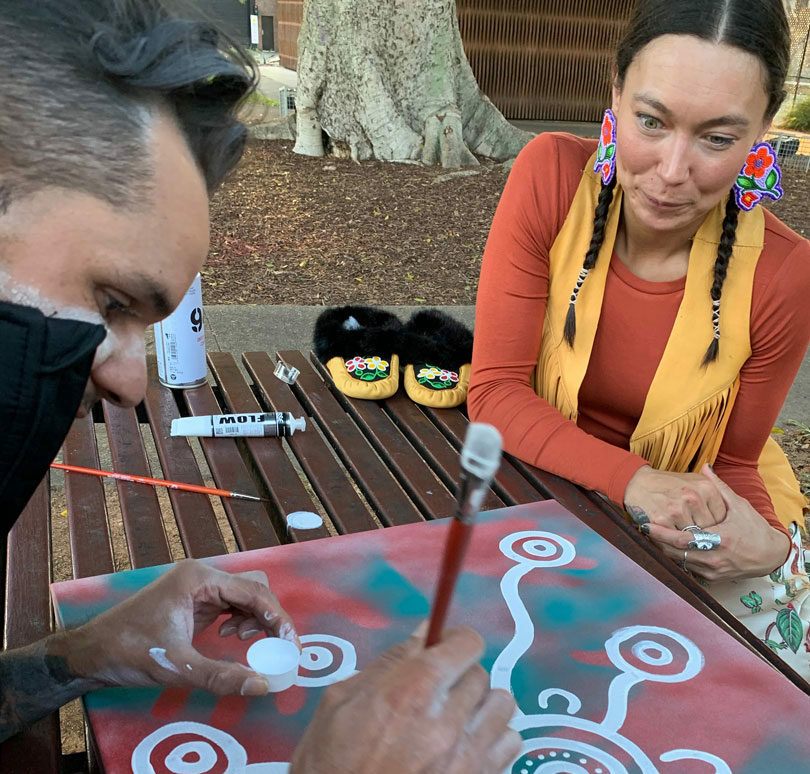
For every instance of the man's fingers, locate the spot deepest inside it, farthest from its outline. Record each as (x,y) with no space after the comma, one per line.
(490,729)
(223,678)
(254,598)
(453,655)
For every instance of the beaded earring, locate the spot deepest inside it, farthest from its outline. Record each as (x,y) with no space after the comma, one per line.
(605,162)
(760,177)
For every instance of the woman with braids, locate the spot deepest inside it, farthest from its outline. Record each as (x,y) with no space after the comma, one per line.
(640,320)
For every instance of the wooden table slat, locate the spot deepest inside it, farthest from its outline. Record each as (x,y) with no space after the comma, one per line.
(90,541)
(510,484)
(28,619)
(384,493)
(419,480)
(329,480)
(196,520)
(140,507)
(279,477)
(443,458)
(250,520)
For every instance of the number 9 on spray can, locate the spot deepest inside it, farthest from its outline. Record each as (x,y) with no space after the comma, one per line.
(180,342)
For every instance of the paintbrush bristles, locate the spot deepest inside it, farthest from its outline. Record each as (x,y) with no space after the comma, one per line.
(481,453)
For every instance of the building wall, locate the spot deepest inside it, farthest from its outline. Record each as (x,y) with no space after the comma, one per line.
(543,60)
(268,8)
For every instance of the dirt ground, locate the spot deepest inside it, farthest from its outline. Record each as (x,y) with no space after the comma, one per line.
(290,229)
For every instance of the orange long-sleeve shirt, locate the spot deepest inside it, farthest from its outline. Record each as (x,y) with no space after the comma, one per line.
(636,320)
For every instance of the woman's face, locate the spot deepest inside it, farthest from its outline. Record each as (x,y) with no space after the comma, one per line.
(687,115)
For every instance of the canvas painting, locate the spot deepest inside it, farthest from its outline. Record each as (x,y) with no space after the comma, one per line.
(612,672)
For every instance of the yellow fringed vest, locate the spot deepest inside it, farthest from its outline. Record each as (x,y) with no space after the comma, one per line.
(688,406)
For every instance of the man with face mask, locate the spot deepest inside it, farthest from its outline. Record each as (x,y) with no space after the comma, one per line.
(116,121)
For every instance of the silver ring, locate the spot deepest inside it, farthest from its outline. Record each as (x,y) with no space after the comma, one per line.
(705,541)
(692,528)
(683,561)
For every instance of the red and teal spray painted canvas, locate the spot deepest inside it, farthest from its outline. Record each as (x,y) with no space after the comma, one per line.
(612,672)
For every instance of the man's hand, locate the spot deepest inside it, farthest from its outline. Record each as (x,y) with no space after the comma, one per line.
(413,709)
(146,640)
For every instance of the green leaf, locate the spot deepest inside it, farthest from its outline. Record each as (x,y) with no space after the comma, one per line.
(771,180)
(774,576)
(790,627)
(610,151)
(745,183)
(756,597)
(773,645)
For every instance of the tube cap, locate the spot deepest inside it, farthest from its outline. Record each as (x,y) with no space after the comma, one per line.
(192,426)
(297,423)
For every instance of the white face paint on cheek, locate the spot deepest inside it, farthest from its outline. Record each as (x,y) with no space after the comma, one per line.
(27,295)
(129,347)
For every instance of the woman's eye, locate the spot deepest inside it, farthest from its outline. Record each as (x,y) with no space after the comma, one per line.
(649,122)
(720,141)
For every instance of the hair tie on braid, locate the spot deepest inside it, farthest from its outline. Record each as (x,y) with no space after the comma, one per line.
(599,221)
(724,252)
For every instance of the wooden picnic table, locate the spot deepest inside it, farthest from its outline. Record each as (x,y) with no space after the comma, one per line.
(360,464)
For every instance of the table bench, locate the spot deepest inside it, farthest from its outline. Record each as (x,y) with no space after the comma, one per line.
(360,464)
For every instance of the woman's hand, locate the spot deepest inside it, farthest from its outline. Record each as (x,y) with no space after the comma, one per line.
(675,500)
(749,548)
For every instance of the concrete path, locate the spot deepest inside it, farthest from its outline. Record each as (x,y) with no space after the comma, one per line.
(239,329)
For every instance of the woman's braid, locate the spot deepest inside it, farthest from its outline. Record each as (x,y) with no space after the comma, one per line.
(724,252)
(599,221)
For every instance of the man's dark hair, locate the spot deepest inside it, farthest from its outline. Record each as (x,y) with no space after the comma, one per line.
(82,80)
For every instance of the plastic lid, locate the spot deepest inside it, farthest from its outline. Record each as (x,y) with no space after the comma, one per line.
(304,520)
(192,426)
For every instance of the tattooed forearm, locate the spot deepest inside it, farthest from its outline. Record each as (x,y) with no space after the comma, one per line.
(34,681)
(639,517)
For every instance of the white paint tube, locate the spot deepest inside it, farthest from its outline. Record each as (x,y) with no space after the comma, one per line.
(280,423)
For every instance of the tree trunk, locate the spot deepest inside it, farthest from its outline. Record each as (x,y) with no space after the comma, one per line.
(390,79)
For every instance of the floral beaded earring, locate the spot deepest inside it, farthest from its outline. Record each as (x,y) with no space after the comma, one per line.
(760,177)
(606,152)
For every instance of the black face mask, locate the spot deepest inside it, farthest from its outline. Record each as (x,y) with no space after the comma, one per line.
(46,363)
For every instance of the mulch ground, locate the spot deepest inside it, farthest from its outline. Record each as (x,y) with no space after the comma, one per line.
(290,229)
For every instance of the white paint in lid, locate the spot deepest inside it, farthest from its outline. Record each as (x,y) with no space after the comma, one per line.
(275,659)
(304,520)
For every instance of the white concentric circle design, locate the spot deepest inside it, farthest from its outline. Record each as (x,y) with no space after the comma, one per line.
(205,748)
(317,657)
(654,651)
(538,549)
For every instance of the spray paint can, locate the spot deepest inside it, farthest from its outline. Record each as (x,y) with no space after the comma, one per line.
(180,342)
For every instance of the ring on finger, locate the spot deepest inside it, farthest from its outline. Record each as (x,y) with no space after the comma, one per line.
(692,528)
(705,541)
(683,561)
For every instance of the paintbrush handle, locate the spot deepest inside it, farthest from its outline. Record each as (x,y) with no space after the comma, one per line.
(455,549)
(153,481)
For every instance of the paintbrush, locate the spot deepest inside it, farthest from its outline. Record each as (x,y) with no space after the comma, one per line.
(209,490)
(480,458)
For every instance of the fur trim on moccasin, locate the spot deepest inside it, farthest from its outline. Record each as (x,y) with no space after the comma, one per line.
(348,331)
(358,345)
(436,352)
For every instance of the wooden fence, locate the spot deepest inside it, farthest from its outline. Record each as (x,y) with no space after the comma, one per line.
(535,59)
(290,14)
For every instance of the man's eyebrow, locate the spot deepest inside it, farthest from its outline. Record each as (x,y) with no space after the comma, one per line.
(728,120)
(155,295)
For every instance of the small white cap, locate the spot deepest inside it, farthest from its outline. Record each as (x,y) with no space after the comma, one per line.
(192,426)
(297,423)
(304,520)
(275,659)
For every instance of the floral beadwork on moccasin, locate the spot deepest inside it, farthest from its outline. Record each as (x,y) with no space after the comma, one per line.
(368,369)
(436,378)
